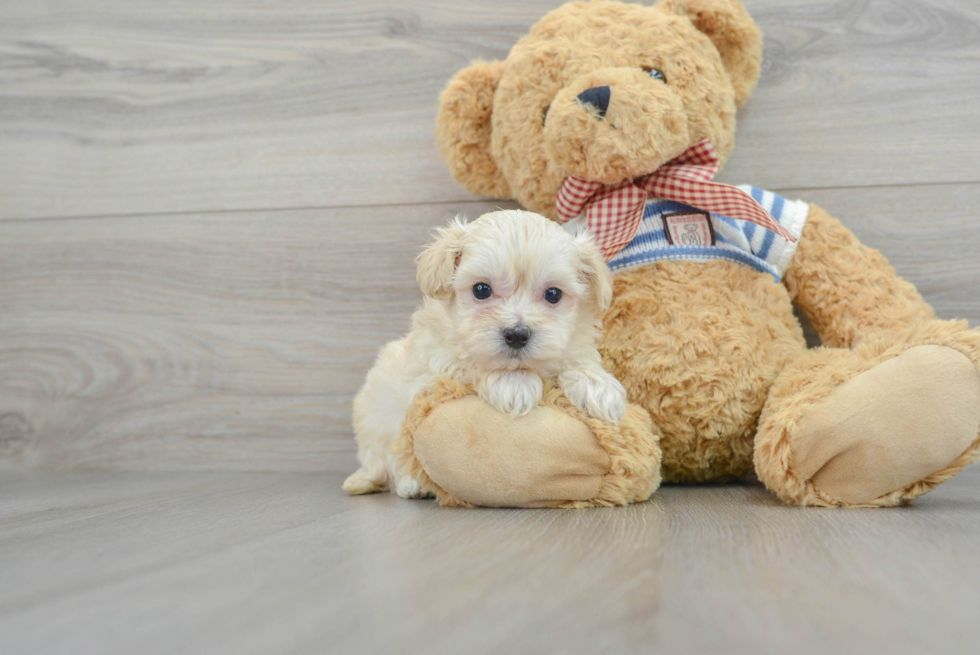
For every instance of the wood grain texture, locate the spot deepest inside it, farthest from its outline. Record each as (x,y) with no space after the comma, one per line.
(199,340)
(211,337)
(255,563)
(238,340)
(126,107)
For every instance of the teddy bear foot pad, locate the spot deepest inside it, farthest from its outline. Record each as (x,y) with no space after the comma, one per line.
(889,427)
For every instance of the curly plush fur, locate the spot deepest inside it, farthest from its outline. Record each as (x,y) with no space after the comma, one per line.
(670,326)
(885,411)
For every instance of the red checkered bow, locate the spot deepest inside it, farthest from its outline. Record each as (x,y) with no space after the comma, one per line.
(615,211)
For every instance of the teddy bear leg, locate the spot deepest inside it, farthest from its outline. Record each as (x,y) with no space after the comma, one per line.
(875,426)
(469,453)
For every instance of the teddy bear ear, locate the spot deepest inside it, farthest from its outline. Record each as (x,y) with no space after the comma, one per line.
(734,33)
(463,129)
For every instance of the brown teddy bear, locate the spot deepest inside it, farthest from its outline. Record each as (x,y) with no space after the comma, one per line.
(597,117)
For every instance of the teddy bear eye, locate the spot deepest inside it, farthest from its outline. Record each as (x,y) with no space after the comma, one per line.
(482,291)
(552,295)
(655,74)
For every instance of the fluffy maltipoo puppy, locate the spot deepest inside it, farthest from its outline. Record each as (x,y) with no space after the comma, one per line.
(510,298)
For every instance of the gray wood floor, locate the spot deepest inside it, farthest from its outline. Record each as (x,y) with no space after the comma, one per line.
(208,214)
(199,562)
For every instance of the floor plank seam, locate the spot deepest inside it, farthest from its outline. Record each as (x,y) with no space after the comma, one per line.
(464,201)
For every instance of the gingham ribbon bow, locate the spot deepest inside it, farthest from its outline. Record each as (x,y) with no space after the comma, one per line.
(614,211)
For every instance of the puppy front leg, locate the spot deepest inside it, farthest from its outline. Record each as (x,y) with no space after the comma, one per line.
(512,392)
(594,390)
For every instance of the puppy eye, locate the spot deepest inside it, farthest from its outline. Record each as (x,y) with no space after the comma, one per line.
(655,74)
(482,291)
(552,295)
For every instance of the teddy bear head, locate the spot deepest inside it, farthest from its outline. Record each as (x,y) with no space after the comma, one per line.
(603,90)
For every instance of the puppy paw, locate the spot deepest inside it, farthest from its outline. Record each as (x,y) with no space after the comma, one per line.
(408,487)
(597,393)
(362,482)
(513,392)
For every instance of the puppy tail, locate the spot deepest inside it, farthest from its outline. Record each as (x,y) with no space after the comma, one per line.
(364,482)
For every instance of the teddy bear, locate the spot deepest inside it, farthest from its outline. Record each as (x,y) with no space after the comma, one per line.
(614,117)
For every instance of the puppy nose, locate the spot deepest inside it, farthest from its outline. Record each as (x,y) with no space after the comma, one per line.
(517,337)
(598,97)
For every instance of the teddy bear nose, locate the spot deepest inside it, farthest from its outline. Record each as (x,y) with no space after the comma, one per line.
(598,97)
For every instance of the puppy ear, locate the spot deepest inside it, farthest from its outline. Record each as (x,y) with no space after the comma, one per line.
(595,271)
(734,33)
(437,263)
(463,129)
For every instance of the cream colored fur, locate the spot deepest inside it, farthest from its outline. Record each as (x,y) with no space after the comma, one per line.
(459,336)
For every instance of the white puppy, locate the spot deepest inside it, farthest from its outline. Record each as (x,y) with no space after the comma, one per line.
(510,298)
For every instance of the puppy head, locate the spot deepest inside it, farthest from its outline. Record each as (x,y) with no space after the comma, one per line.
(521,290)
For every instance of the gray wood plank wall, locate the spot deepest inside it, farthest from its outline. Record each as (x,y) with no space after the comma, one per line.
(208,211)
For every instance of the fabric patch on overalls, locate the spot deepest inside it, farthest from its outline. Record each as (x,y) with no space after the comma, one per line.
(689,228)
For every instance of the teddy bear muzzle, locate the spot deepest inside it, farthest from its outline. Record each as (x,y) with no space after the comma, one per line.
(615,124)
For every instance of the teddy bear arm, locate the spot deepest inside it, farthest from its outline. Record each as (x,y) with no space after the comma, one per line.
(846,289)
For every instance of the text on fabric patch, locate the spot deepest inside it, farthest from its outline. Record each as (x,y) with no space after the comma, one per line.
(689,229)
